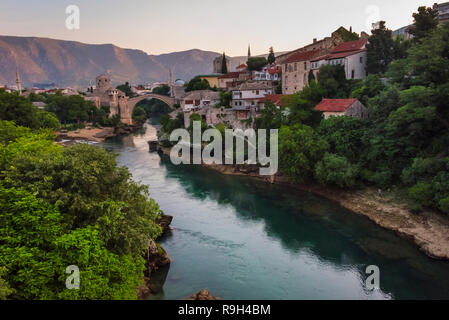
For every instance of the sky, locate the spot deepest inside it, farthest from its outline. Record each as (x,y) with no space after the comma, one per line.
(163,26)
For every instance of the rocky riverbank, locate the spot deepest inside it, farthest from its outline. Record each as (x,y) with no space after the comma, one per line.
(429,230)
(155,258)
(95,134)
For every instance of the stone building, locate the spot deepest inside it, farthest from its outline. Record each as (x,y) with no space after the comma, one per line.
(342,107)
(296,69)
(218,63)
(324,45)
(443,11)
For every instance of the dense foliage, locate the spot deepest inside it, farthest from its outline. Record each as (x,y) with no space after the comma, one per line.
(69,206)
(256,63)
(402,144)
(21,110)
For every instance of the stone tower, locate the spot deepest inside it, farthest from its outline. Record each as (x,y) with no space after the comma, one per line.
(103,83)
(218,61)
(18,82)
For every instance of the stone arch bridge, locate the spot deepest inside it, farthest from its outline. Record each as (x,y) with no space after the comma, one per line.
(127,107)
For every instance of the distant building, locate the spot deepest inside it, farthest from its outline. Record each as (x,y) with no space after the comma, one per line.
(211,78)
(342,107)
(295,70)
(404,32)
(217,64)
(443,11)
(199,99)
(248,95)
(39,105)
(268,73)
(351,55)
(232,79)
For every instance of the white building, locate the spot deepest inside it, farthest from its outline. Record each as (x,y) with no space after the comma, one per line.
(268,73)
(351,55)
(248,94)
(199,99)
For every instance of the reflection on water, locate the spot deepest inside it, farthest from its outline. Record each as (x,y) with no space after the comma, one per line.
(244,239)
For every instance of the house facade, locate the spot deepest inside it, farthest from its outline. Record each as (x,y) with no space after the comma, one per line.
(351,55)
(295,71)
(342,107)
(197,100)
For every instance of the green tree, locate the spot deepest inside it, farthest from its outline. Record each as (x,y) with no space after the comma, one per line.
(336,170)
(300,147)
(271,57)
(380,50)
(332,79)
(256,63)
(126,89)
(369,88)
(344,135)
(426,21)
(224,65)
(197,84)
(21,111)
(139,114)
(270,117)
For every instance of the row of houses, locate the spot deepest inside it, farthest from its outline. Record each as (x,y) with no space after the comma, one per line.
(249,90)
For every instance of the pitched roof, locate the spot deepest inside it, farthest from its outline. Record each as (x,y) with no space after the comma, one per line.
(202,95)
(275,98)
(252,85)
(231,75)
(242,66)
(303,56)
(350,46)
(335,105)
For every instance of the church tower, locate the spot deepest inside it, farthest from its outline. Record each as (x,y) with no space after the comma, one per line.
(18,82)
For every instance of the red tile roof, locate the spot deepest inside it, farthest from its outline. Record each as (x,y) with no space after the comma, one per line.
(335,105)
(339,55)
(242,66)
(230,75)
(275,98)
(350,46)
(303,56)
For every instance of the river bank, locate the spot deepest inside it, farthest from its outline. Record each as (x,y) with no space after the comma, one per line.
(428,230)
(96,134)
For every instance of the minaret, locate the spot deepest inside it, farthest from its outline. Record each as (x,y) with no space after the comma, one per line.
(249,52)
(170,82)
(170,77)
(18,82)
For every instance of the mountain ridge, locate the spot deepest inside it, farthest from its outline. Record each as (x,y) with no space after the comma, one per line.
(75,64)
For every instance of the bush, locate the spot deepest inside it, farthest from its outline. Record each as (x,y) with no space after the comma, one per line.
(337,170)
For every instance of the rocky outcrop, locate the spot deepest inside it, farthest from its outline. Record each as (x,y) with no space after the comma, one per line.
(165,222)
(203,295)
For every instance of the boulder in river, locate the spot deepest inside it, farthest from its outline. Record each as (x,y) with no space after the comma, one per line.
(203,295)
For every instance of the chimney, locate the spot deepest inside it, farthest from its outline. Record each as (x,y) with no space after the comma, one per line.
(314,40)
(350,29)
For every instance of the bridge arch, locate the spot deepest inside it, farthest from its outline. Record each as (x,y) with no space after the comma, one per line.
(127,111)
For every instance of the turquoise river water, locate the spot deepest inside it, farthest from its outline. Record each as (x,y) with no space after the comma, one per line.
(244,239)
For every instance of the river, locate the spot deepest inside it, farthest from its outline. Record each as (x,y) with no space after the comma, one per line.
(245,239)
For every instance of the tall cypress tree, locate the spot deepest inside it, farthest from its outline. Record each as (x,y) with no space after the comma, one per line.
(271,57)
(224,65)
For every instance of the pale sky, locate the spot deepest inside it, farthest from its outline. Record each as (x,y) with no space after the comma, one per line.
(162,26)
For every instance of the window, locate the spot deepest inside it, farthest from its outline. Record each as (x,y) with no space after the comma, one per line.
(361,59)
(305,79)
(296,80)
(296,66)
(305,65)
(286,67)
(352,74)
(257,92)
